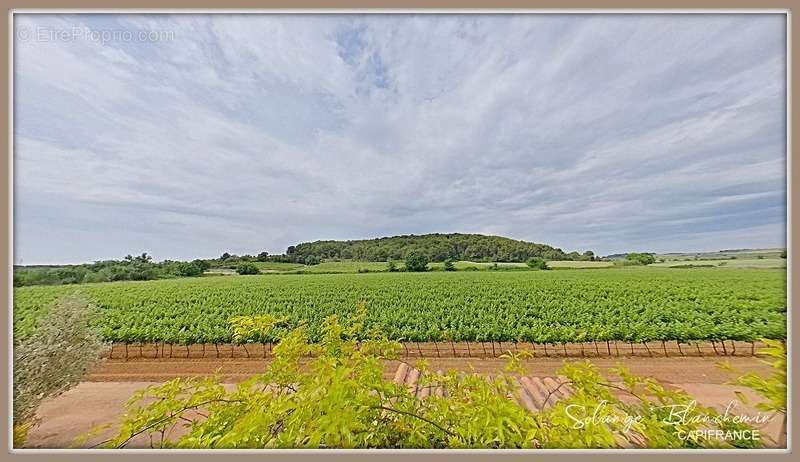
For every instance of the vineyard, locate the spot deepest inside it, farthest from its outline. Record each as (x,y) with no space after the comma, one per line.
(629,305)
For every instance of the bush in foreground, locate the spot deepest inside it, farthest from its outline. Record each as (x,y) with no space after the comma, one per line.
(339,399)
(52,359)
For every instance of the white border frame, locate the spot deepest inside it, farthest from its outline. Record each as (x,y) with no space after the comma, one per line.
(367,11)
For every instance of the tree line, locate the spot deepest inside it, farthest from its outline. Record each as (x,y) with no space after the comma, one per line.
(416,250)
(435,247)
(131,268)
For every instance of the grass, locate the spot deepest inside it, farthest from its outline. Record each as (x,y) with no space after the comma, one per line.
(737,263)
(579,264)
(348,267)
(277,266)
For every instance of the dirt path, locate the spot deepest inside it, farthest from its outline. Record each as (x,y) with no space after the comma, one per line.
(669,370)
(100,399)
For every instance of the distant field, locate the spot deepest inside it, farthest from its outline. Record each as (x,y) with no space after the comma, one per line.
(349,267)
(277,266)
(462,265)
(580,264)
(744,254)
(738,263)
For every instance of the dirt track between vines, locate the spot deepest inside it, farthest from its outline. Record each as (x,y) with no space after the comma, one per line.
(665,369)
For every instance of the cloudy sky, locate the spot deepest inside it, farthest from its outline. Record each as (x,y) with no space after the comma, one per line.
(188,135)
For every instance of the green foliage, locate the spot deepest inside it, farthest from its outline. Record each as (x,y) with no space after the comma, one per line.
(339,399)
(604,414)
(450,264)
(247,268)
(188,269)
(416,261)
(312,260)
(139,268)
(53,358)
(391,266)
(251,329)
(538,306)
(436,247)
(641,258)
(773,388)
(537,263)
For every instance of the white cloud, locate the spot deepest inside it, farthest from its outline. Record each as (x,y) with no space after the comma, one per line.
(246,133)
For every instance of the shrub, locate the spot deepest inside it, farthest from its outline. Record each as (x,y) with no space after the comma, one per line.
(642,258)
(391,267)
(538,263)
(53,358)
(93,277)
(339,398)
(247,268)
(312,260)
(416,261)
(188,269)
(449,264)
(773,388)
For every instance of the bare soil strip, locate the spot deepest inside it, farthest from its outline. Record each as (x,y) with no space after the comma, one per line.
(669,370)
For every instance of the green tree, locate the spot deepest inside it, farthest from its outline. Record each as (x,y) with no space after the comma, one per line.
(188,269)
(247,268)
(449,264)
(312,260)
(537,263)
(641,258)
(416,261)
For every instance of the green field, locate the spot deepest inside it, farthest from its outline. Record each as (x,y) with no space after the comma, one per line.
(743,254)
(737,263)
(579,264)
(635,304)
(267,266)
(348,267)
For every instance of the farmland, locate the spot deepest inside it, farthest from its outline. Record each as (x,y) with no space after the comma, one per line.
(635,304)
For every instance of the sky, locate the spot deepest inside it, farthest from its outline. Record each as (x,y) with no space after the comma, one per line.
(186,136)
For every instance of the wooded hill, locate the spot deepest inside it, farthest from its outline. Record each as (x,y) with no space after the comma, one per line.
(437,247)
